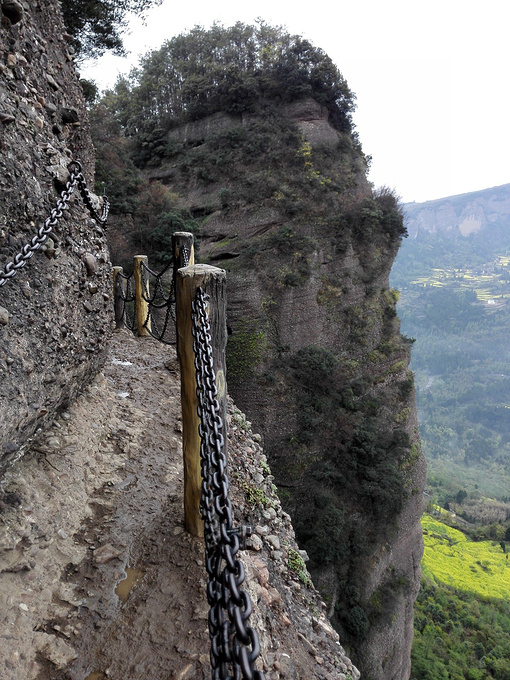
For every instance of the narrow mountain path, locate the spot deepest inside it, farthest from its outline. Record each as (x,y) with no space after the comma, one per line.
(105,483)
(99,580)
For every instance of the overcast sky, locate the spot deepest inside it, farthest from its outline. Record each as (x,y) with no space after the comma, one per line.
(431,79)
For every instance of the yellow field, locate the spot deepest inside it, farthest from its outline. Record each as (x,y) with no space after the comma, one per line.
(450,557)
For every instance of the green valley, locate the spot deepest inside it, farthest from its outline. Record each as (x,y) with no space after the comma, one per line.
(454,301)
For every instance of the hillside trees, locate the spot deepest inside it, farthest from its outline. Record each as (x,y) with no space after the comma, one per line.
(96,25)
(233,69)
(150,209)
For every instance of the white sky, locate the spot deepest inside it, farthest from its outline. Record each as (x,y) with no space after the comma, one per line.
(431,79)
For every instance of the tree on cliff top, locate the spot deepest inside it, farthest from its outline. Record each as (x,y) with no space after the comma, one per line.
(233,70)
(97,25)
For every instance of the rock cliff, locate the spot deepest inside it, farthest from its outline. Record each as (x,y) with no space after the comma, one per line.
(87,471)
(460,216)
(315,356)
(55,313)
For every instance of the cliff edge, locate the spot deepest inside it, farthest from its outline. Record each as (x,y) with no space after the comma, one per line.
(98,577)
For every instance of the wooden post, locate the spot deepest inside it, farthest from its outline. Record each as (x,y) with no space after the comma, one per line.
(182,240)
(213,282)
(119,295)
(141,292)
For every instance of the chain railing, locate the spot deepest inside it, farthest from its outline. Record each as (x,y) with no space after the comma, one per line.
(161,298)
(76,178)
(148,299)
(125,292)
(234,643)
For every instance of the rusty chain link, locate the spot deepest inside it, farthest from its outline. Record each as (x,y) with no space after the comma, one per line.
(234,643)
(75,178)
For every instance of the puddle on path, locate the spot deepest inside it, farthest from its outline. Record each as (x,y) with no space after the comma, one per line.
(96,676)
(124,587)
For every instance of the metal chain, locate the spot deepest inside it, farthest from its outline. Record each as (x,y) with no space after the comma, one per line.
(129,300)
(185,256)
(158,300)
(75,178)
(230,607)
(82,186)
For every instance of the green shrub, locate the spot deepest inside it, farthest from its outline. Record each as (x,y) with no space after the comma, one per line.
(356,623)
(246,348)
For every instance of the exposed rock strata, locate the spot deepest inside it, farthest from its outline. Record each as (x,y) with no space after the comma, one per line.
(53,324)
(481,213)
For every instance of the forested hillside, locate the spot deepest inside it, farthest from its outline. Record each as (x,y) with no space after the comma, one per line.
(244,136)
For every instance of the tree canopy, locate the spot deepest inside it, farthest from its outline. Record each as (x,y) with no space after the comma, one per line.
(97,25)
(231,69)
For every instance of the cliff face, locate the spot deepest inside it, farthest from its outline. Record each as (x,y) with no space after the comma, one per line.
(315,355)
(54,314)
(460,216)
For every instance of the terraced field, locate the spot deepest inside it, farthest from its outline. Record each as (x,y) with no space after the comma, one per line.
(490,282)
(451,558)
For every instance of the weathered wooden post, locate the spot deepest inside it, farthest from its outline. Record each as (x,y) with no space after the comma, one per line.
(119,296)
(141,293)
(183,250)
(213,281)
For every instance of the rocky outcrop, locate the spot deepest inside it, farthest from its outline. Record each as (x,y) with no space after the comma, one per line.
(55,313)
(315,355)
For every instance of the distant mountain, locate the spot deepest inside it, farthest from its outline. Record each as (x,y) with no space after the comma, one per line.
(460,216)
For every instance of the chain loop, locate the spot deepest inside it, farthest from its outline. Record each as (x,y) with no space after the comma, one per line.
(129,300)
(158,300)
(185,256)
(75,178)
(230,606)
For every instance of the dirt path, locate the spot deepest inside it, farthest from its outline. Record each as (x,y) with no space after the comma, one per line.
(105,485)
(98,579)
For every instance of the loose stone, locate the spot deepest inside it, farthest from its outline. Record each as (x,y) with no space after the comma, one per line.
(90,264)
(12,10)
(274,541)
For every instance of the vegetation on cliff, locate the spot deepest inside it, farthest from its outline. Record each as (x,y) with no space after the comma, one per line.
(233,70)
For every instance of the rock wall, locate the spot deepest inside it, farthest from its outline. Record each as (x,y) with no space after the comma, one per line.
(55,313)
